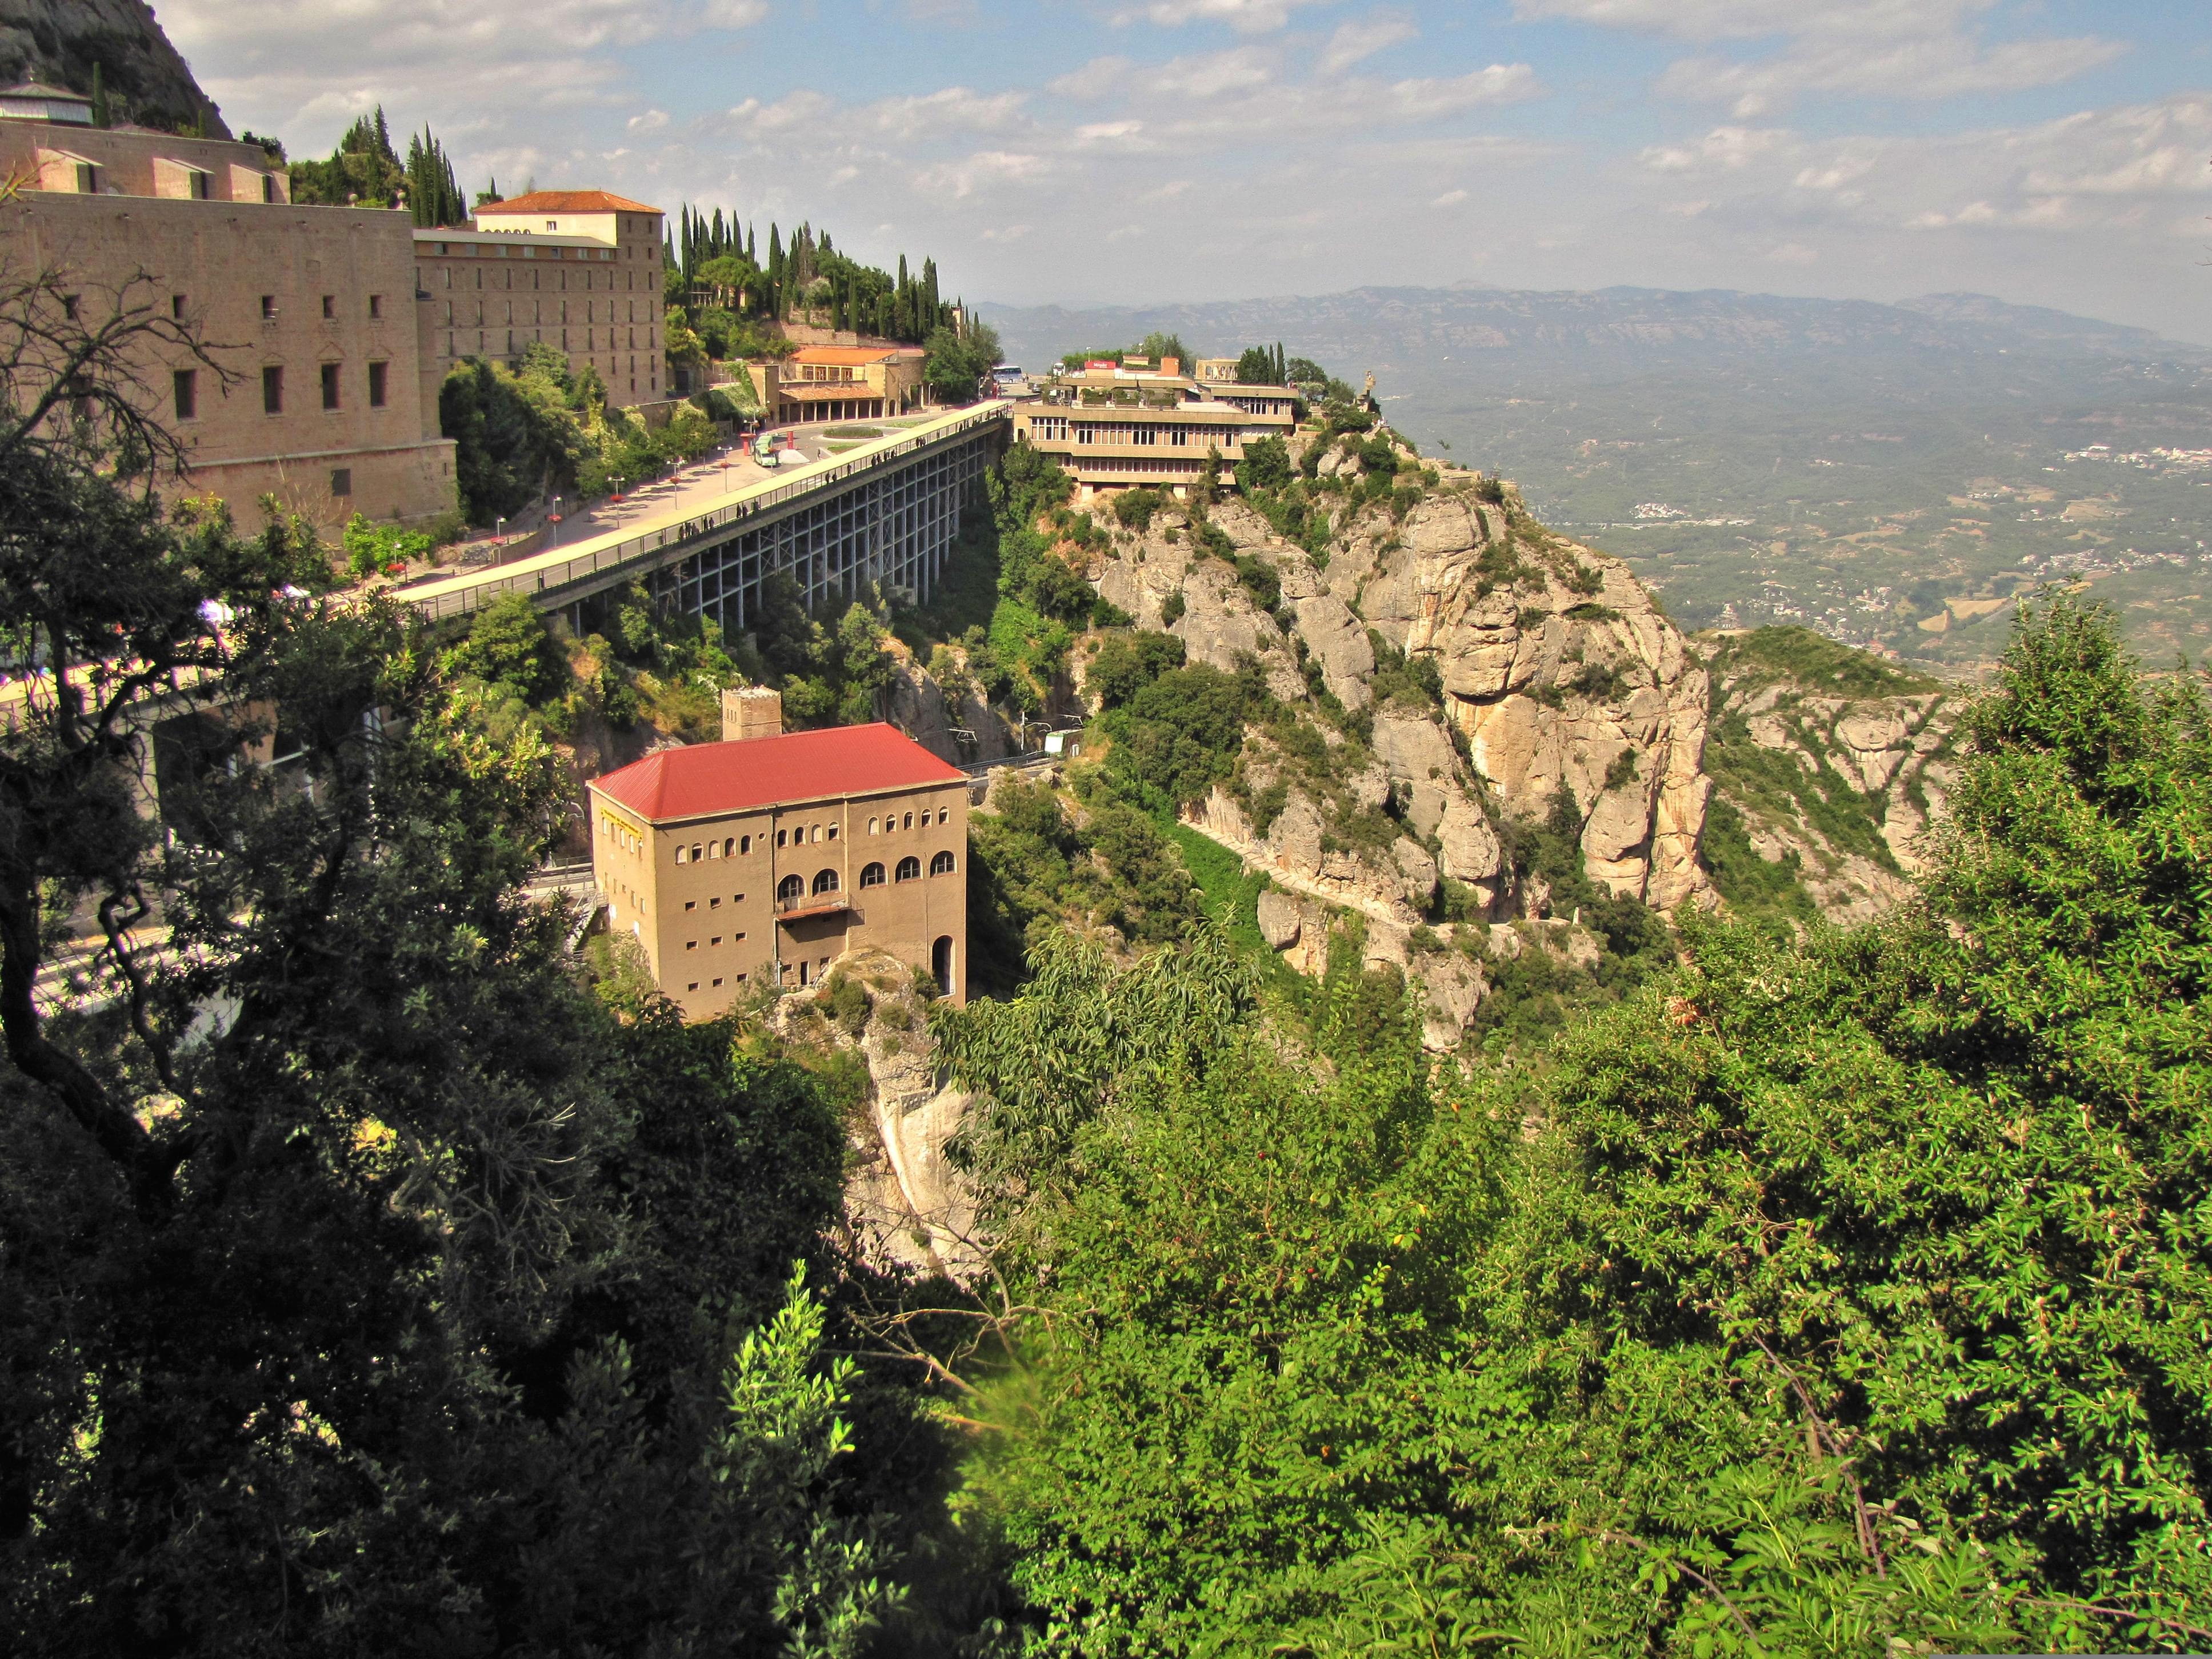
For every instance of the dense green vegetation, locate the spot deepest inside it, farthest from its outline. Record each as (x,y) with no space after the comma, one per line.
(1837,1296)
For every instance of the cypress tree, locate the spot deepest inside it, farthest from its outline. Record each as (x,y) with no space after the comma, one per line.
(101,116)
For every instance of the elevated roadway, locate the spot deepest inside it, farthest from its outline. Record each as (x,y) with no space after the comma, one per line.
(886,511)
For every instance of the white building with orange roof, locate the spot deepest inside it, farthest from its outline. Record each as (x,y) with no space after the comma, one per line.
(576,269)
(841,382)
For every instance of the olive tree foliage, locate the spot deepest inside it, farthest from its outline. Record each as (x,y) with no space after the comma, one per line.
(1840,1299)
(367,1286)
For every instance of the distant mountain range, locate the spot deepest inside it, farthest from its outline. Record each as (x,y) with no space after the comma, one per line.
(1614,329)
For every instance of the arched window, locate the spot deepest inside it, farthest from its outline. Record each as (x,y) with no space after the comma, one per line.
(941,865)
(871,875)
(790,887)
(825,881)
(833,832)
(729,846)
(782,838)
(679,855)
(745,843)
(695,852)
(909,820)
(909,868)
(872,826)
(945,815)
(713,849)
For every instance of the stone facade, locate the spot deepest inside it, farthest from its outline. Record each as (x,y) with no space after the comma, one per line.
(309,314)
(576,269)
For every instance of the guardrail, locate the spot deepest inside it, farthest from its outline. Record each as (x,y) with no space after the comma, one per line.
(465,593)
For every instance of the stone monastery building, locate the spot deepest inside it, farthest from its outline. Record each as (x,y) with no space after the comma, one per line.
(764,857)
(333,327)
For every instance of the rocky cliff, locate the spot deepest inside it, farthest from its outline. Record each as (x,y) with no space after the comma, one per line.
(147,81)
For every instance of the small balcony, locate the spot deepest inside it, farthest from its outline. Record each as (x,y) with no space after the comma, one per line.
(802,905)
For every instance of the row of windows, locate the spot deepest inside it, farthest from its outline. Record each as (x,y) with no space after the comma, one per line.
(536,279)
(185,388)
(536,314)
(269,307)
(517,250)
(892,822)
(793,887)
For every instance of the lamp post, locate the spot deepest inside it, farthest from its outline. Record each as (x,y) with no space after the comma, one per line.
(553,519)
(498,540)
(615,501)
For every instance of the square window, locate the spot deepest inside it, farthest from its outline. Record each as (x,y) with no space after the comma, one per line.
(341,481)
(714,903)
(272,390)
(186,384)
(693,986)
(740,899)
(268,307)
(741,978)
(330,307)
(378,384)
(717,940)
(690,944)
(718,984)
(740,938)
(690,904)
(331,386)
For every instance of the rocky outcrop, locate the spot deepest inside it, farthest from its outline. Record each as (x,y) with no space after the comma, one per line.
(1860,776)
(1561,672)
(60,41)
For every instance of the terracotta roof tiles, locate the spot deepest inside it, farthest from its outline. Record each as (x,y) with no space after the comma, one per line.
(706,780)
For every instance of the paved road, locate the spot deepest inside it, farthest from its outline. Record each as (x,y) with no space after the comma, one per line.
(699,483)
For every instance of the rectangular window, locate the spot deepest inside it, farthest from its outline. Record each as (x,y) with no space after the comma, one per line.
(268,307)
(330,307)
(268,186)
(375,306)
(341,481)
(177,307)
(185,381)
(331,386)
(377,378)
(272,390)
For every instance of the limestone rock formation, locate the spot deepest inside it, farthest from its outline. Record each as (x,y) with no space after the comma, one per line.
(60,41)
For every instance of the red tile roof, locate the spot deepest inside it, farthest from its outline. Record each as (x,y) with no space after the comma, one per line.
(708,779)
(567,201)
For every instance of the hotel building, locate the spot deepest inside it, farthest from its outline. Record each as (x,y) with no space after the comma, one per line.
(1134,425)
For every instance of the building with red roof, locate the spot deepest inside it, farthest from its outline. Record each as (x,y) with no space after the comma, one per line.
(762,859)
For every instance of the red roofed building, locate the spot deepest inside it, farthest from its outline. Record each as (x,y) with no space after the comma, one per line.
(762,859)
(577,269)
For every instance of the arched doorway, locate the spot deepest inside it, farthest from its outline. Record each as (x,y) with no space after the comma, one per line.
(940,963)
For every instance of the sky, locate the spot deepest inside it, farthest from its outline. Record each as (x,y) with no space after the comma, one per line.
(1127,152)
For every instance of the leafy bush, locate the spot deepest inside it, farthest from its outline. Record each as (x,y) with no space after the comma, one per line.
(369,547)
(1134,508)
(1125,664)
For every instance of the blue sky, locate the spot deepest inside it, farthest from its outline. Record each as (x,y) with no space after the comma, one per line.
(1126,151)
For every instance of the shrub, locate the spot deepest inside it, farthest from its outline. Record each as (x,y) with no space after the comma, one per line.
(1134,508)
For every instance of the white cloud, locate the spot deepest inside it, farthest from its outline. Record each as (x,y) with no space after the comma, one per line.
(1747,20)
(1358,38)
(754,119)
(1724,146)
(1931,67)
(1450,198)
(289,64)
(1245,16)
(954,109)
(651,121)
(983,171)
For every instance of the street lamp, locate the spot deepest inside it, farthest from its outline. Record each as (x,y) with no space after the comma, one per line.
(553,519)
(615,500)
